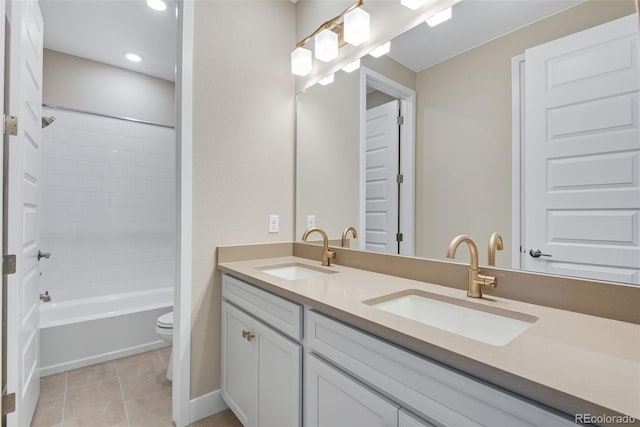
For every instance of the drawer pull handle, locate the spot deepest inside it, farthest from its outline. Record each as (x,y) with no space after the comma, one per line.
(248,335)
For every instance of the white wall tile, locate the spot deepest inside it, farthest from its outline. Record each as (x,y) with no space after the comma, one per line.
(108,206)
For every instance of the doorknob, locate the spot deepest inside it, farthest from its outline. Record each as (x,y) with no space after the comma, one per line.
(41,255)
(537,253)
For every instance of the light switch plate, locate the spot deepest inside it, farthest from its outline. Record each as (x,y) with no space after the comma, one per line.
(311,221)
(274,223)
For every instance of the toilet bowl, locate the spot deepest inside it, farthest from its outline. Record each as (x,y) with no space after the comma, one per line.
(164,329)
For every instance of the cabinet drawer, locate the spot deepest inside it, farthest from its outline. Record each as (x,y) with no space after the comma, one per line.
(277,312)
(429,389)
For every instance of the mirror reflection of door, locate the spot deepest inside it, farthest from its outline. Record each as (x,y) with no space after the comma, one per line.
(382,166)
(582,144)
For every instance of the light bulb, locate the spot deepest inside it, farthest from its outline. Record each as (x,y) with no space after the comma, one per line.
(356,26)
(351,66)
(327,80)
(133,57)
(439,17)
(413,4)
(326,45)
(157,5)
(301,62)
(381,50)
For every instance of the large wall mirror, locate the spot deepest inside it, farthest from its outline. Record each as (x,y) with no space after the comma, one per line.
(520,118)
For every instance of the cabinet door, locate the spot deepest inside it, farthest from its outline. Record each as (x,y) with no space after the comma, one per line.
(406,419)
(334,399)
(238,365)
(279,378)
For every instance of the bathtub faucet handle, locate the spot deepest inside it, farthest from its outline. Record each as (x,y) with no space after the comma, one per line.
(41,255)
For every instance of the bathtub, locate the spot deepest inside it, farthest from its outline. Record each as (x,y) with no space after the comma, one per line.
(87,331)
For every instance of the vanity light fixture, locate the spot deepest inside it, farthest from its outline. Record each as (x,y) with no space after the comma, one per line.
(351,26)
(352,66)
(357,27)
(439,17)
(326,42)
(158,5)
(413,4)
(327,80)
(381,50)
(301,62)
(133,57)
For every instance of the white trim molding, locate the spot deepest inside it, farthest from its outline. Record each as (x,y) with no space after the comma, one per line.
(181,390)
(517,159)
(206,405)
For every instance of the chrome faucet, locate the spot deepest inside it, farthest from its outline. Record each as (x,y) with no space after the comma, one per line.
(495,243)
(476,280)
(344,235)
(45,297)
(326,253)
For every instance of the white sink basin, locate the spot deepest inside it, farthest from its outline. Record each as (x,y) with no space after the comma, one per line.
(487,324)
(295,271)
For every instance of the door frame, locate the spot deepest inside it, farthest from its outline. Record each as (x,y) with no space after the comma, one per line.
(3,11)
(407,99)
(181,388)
(517,160)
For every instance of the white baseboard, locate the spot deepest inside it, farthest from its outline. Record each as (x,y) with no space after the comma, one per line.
(92,360)
(206,405)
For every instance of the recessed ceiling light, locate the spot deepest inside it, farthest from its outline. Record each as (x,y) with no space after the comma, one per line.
(327,80)
(157,5)
(381,50)
(351,66)
(439,17)
(133,57)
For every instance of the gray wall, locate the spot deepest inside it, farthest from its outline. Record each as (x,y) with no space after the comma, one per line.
(73,82)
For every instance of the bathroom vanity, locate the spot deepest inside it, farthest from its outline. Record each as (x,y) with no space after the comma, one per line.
(309,345)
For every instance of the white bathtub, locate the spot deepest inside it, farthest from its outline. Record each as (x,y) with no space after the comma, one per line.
(83,332)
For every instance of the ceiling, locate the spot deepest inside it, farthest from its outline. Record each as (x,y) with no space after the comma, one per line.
(473,23)
(101,30)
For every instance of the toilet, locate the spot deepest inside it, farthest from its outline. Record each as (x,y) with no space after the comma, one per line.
(164,329)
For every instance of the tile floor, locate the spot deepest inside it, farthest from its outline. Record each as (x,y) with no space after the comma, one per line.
(128,392)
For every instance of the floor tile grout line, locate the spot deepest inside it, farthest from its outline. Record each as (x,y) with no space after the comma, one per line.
(124,401)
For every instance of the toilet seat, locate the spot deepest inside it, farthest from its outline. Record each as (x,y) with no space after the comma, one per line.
(165,321)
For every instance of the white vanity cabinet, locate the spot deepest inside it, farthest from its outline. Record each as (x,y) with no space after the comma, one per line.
(351,377)
(261,367)
(432,391)
(333,398)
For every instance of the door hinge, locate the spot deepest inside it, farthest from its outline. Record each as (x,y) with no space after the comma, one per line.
(398,237)
(8,403)
(400,178)
(400,120)
(10,125)
(8,264)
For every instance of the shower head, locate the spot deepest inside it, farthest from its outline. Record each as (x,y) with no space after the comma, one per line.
(46,121)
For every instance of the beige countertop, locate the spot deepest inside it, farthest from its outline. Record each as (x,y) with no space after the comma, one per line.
(593,359)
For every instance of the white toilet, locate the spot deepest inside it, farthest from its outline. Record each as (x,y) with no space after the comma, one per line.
(164,329)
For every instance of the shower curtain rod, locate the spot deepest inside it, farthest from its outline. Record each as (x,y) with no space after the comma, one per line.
(75,110)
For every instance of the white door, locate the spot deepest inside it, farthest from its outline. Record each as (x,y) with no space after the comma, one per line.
(2,68)
(24,153)
(582,151)
(279,378)
(381,163)
(333,399)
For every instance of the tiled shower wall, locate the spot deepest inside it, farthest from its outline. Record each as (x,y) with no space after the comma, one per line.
(108,206)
